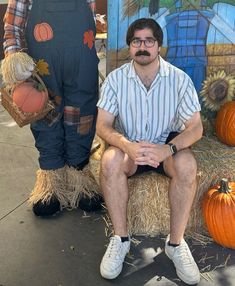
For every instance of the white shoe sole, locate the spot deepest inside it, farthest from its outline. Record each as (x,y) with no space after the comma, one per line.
(106,275)
(182,276)
(185,279)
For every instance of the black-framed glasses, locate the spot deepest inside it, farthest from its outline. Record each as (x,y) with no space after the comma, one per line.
(148,43)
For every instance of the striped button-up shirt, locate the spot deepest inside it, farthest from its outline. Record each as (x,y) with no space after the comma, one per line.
(15,20)
(149,115)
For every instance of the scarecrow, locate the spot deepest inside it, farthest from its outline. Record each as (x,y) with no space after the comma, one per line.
(59,38)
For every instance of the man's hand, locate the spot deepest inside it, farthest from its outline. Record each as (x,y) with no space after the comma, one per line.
(151,154)
(17,67)
(133,150)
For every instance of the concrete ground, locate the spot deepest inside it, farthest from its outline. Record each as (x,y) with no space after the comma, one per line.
(66,250)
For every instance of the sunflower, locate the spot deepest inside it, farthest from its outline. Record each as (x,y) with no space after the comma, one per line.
(217,89)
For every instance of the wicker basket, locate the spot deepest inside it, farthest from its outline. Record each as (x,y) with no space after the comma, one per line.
(24,118)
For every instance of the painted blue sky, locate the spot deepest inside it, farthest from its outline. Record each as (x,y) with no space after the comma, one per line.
(221,29)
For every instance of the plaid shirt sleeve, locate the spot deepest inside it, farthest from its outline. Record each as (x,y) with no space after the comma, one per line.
(14,24)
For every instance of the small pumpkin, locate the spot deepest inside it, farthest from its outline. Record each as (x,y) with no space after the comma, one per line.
(30,97)
(225,123)
(218,206)
(43,32)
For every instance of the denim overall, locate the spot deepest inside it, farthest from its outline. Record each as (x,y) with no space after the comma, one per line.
(65,135)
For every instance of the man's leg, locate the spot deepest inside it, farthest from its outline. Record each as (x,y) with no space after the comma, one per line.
(182,169)
(115,169)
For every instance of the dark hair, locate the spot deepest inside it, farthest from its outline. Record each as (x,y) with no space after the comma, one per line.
(144,23)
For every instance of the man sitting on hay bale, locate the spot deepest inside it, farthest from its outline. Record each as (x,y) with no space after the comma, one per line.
(157,110)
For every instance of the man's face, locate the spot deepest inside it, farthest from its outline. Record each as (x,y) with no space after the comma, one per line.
(144,53)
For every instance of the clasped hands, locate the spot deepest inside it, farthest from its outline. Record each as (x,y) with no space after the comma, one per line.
(145,153)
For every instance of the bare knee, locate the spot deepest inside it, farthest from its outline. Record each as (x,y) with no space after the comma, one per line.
(111,161)
(185,167)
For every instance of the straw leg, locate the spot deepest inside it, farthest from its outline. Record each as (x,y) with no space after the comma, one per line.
(49,183)
(66,184)
(115,168)
(80,183)
(182,169)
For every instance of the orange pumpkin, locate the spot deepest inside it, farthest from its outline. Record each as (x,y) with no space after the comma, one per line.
(225,123)
(218,206)
(28,98)
(43,32)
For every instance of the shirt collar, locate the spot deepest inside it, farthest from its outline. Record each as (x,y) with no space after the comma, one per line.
(131,73)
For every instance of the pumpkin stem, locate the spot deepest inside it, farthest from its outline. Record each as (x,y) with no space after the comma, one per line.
(40,87)
(224,187)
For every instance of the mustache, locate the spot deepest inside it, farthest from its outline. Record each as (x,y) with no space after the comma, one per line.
(142,53)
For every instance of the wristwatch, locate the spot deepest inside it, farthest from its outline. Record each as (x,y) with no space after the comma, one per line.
(172,148)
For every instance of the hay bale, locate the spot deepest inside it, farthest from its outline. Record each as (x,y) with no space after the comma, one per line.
(220,57)
(148,207)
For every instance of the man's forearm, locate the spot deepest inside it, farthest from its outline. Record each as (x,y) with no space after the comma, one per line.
(188,137)
(112,137)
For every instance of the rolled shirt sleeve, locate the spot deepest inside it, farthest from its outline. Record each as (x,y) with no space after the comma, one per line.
(14,24)
(108,99)
(188,103)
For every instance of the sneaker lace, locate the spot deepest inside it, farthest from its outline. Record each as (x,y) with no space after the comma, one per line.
(184,255)
(114,248)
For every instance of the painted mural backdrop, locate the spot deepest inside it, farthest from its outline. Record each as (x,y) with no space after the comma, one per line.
(199,38)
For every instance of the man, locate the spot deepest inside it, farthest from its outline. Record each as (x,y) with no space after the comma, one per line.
(60,38)
(157,111)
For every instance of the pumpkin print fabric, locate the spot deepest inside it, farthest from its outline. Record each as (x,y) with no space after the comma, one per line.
(43,32)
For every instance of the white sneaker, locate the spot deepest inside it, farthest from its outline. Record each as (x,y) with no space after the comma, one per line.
(186,267)
(112,262)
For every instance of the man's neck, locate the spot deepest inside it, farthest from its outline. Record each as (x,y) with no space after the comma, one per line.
(148,72)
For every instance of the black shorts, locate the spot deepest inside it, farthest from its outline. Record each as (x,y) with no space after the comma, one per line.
(160,170)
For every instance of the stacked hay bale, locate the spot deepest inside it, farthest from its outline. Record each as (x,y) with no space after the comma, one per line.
(148,208)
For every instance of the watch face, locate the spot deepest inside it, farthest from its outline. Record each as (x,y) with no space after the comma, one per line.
(173,148)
